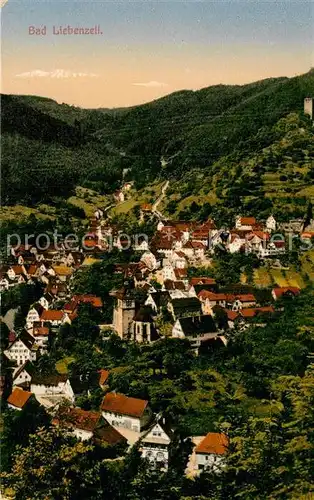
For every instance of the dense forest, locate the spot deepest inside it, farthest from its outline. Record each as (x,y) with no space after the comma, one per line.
(49,148)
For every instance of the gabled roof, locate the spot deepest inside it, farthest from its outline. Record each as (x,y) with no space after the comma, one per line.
(52,379)
(51,315)
(25,337)
(124,405)
(279,292)
(27,366)
(40,331)
(174,285)
(202,281)
(105,433)
(18,397)
(204,294)
(214,443)
(193,326)
(103,376)
(247,221)
(161,298)
(180,273)
(232,315)
(62,270)
(76,418)
(186,304)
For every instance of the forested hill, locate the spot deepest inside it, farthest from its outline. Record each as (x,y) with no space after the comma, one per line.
(49,148)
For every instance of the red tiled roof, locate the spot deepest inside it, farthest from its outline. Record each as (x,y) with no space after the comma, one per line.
(17,269)
(197,244)
(180,273)
(51,315)
(232,315)
(174,285)
(146,206)
(244,297)
(248,221)
(104,375)
(254,311)
(214,442)
(260,234)
(18,397)
(40,331)
(77,418)
(279,292)
(88,299)
(204,294)
(119,403)
(202,281)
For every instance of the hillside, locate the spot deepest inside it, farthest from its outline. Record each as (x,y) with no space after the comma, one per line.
(48,148)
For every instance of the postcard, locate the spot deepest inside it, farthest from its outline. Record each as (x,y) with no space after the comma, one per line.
(157,249)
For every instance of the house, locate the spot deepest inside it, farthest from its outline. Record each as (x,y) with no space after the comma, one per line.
(271,223)
(14,272)
(236,243)
(52,316)
(196,329)
(211,451)
(103,378)
(52,385)
(245,223)
(22,349)
(155,444)
(98,214)
(149,259)
(18,399)
(4,283)
(178,260)
(158,300)
(126,412)
(278,293)
(87,425)
(33,315)
(119,196)
(186,306)
(22,375)
(46,301)
(41,336)
(63,272)
(210,299)
(237,302)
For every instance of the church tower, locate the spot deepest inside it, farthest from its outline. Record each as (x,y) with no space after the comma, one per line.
(124,311)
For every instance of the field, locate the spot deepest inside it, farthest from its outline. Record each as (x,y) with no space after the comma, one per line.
(268,277)
(89,200)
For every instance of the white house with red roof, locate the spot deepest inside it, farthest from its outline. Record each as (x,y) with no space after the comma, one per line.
(18,399)
(126,412)
(211,451)
(245,223)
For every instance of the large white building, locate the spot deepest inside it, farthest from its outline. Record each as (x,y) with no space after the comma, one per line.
(22,349)
(122,411)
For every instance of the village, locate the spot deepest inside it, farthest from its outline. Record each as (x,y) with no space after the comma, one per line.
(159,298)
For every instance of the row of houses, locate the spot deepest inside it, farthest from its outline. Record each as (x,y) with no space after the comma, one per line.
(124,420)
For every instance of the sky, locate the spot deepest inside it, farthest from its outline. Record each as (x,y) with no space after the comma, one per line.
(147,49)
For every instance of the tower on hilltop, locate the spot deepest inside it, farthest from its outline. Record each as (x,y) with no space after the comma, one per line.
(309,107)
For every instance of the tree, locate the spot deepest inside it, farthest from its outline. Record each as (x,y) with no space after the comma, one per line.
(53,465)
